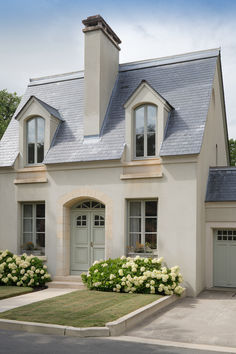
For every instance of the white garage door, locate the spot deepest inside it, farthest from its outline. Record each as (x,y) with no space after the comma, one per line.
(225,258)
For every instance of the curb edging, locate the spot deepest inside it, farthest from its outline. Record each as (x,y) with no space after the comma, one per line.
(114,328)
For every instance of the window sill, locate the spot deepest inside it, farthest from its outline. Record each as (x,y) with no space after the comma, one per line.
(31,253)
(144,254)
(31,180)
(141,175)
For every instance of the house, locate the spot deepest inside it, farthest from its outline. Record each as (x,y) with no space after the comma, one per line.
(102,162)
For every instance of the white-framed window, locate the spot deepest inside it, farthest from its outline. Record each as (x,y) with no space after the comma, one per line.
(145,132)
(33,226)
(142,225)
(35,140)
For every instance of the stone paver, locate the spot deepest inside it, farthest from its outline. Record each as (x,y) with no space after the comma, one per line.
(208,319)
(17,301)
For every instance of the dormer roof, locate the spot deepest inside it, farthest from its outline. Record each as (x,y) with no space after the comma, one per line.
(51,110)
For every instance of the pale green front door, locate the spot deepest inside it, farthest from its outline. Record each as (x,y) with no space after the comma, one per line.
(87,239)
(224,258)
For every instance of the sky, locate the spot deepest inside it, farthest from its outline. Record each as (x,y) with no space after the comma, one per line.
(44,37)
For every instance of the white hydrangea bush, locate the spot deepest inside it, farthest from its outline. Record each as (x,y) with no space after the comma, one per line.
(134,275)
(22,270)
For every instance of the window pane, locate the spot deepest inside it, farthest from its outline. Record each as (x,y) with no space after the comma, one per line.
(40,210)
(31,153)
(28,210)
(135,225)
(151,225)
(40,225)
(151,118)
(40,130)
(134,240)
(40,240)
(151,144)
(135,209)
(151,241)
(27,238)
(139,145)
(40,139)
(31,131)
(28,225)
(40,152)
(139,120)
(151,208)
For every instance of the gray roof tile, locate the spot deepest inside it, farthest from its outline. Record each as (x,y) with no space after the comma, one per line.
(221,186)
(186,85)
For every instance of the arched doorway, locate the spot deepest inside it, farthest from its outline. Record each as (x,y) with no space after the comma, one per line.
(87,234)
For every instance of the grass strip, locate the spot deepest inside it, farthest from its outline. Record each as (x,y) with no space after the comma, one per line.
(84,308)
(10,291)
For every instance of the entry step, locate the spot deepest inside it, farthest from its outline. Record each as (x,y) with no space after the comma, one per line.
(67,282)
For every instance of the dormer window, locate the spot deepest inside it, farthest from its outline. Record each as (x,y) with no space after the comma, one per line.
(145,122)
(35,140)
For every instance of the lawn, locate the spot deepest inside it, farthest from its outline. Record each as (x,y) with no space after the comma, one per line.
(84,308)
(10,291)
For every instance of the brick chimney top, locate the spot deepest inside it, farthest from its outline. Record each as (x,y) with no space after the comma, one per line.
(93,23)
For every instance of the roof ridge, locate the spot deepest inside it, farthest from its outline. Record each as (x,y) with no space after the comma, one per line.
(172,59)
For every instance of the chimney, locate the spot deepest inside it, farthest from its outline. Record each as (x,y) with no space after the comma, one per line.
(101,65)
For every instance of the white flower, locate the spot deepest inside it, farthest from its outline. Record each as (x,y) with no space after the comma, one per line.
(41,271)
(122,257)
(142,269)
(147,285)
(118,286)
(37,271)
(112,276)
(96,262)
(45,267)
(96,270)
(104,265)
(123,283)
(134,269)
(152,282)
(165,277)
(146,260)
(121,273)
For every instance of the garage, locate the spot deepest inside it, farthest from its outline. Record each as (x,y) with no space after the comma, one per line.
(224,260)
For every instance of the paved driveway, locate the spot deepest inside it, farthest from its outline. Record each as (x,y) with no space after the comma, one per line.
(208,319)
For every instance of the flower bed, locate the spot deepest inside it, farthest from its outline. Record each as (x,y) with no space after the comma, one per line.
(134,275)
(22,270)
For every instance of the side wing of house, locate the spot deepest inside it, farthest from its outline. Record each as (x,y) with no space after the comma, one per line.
(214,152)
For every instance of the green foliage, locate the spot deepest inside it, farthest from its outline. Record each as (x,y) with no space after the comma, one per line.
(22,270)
(134,275)
(8,105)
(232,151)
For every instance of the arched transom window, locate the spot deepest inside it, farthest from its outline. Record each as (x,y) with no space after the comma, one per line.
(145,121)
(90,204)
(35,140)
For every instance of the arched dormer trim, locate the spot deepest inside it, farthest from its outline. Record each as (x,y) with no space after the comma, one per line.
(145,96)
(35,108)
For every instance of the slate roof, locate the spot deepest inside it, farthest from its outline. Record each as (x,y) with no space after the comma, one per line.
(185,81)
(221,186)
(48,108)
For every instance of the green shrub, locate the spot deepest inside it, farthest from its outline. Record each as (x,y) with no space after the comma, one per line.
(22,270)
(134,275)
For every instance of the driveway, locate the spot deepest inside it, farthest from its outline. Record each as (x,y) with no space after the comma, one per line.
(208,319)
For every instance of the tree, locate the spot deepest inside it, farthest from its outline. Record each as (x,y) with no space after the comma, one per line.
(232,151)
(8,105)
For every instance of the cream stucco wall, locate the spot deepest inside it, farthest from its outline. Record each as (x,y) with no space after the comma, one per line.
(213,153)
(175,191)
